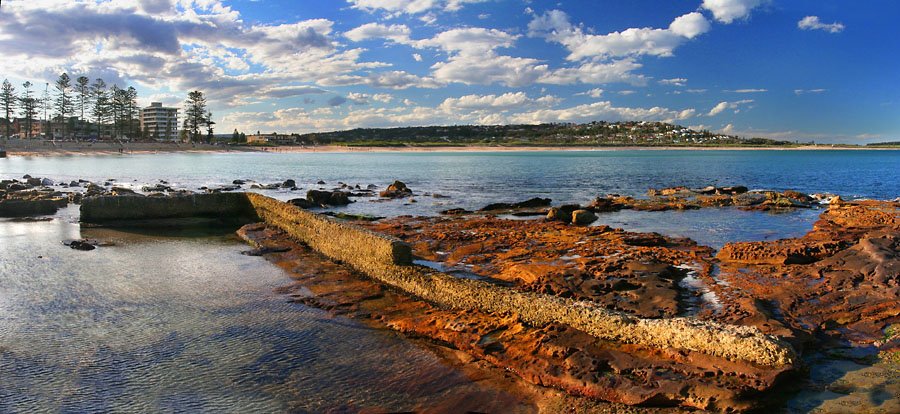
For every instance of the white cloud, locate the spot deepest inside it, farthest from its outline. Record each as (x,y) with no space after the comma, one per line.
(813,23)
(596,73)
(596,111)
(396,32)
(724,105)
(397,7)
(486,69)
(747,90)
(593,93)
(806,91)
(727,11)
(673,81)
(502,103)
(417,57)
(555,26)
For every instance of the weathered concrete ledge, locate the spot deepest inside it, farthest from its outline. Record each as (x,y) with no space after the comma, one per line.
(228,207)
(387,260)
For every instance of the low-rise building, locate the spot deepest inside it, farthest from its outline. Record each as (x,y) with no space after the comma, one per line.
(160,122)
(273,138)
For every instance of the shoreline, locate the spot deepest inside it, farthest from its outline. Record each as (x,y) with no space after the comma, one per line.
(44,149)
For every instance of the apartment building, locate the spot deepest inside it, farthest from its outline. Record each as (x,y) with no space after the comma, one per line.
(160,122)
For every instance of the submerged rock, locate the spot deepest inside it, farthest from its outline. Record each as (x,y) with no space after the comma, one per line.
(83,245)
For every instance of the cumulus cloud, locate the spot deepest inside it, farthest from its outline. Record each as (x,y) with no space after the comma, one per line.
(724,105)
(556,27)
(727,11)
(396,32)
(593,93)
(813,23)
(673,82)
(195,45)
(502,103)
(597,110)
(397,7)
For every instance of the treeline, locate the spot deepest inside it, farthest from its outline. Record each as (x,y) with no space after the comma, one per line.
(91,109)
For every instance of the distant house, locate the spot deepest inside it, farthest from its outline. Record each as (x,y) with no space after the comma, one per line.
(160,122)
(273,138)
(39,128)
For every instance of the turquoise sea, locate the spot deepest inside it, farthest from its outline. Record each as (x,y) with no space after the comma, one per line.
(182,322)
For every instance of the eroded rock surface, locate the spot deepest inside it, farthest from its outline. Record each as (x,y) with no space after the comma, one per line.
(841,281)
(554,356)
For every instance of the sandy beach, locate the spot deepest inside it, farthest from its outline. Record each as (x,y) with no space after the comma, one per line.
(35,148)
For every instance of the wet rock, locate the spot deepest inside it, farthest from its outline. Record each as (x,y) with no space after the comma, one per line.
(265,186)
(224,188)
(396,190)
(265,250)
(46,182)
(289,184)
(302,203)
(83,245)
(156,188)
(583,217)
(31,207)
(122,191)
(563,212)
(239,182)
(455,211)
(738,189)
(320,182)
(603,204)
(34,182)
(327,198)
(530,203)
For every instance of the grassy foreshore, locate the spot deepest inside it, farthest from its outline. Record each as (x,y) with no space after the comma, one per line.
(33,148)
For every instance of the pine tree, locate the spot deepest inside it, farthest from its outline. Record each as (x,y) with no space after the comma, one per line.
(195,114)
(100,110)
(64,105)
(29,106)
(82,86)
(8,101)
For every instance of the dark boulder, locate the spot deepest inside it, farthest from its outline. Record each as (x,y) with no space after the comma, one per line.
(327,198)
(396,190)
(289,184)
(563,212)
(530,203)
(302,203)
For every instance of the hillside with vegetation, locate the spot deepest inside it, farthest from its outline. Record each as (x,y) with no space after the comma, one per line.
(590,134)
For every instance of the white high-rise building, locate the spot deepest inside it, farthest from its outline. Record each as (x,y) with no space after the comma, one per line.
(160,122)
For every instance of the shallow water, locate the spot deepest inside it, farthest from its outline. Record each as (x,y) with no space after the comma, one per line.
(186,323)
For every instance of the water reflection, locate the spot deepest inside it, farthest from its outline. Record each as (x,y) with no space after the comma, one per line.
(186,324)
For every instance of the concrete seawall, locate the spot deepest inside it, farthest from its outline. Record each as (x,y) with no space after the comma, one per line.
(231,207)
(388,260)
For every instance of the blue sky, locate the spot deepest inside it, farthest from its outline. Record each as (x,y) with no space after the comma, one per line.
(824,70)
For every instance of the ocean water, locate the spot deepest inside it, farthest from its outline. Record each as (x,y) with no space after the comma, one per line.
(471,180)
